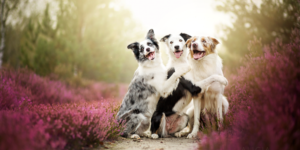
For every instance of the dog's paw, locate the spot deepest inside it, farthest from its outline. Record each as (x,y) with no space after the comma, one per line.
(135,136)
(221,79)
(147,134)
(195,90)
(192,135)
(154,136)
(178,134)
(224,81)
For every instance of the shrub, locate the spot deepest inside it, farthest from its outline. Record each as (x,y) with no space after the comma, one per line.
(39,113)
(23,84)
(25,131)
(264,101)
(22,87)
(82,124)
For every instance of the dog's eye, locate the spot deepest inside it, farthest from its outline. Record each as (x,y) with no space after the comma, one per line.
(149,44)
(171,42)
(203,41)
(180,40)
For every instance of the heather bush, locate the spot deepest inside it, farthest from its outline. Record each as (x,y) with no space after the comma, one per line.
(12,95)
(82,124)
(23,84)
(23,87)
(264,101)
(24,130)
(46,114)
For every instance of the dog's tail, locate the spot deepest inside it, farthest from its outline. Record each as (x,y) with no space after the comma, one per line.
(225,104)
(163,126)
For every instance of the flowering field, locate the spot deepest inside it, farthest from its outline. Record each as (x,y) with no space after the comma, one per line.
(264,101)
(38,113)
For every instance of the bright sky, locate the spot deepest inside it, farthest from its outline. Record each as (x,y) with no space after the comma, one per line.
(168,16)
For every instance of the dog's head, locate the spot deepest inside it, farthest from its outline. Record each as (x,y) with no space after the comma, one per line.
(147,49)
(201,46)
(176,44)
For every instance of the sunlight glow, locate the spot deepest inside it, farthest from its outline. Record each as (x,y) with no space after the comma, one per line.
(169,16)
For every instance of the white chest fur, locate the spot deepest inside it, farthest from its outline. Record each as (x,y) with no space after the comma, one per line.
(209,65)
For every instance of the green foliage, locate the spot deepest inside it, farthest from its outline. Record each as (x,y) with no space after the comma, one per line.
(266,21)
(83,39)
(44,58)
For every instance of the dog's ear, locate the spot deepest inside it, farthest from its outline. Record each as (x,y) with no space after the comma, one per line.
(185,36)
(165,38)
(133,46)
(214,40)
(150,34)
(135,49)
(189,42)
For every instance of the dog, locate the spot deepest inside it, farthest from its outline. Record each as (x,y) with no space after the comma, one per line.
(205,62)
(169,117)
(148,85)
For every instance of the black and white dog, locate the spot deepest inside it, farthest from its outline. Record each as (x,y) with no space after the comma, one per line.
(169,117)
(150,82)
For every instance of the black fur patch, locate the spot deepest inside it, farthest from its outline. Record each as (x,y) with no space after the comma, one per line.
(136,111)
(131,101)
(185,36)
(170,72)
(135,47)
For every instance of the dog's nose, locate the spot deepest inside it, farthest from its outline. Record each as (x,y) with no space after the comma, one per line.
(176,47)
(148,49)
(195,45)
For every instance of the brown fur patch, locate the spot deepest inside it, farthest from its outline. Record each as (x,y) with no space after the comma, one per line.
(208,48)
(189,42)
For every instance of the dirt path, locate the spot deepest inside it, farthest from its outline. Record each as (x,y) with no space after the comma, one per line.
(150,144)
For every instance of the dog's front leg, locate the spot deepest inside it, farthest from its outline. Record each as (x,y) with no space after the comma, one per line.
(213,78)
(197,109)
(171,84)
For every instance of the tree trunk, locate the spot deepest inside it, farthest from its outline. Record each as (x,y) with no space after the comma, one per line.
(2,43)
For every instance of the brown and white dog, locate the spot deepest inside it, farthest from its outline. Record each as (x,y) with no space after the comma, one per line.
(205,62)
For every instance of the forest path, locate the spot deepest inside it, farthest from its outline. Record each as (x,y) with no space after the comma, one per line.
(151,144)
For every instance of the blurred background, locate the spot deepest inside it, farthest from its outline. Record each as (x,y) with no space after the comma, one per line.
(76,40)
(65,67)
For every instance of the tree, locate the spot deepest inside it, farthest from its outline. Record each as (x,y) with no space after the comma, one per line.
(94,36)
(80,39)
(266,21)
(6,8)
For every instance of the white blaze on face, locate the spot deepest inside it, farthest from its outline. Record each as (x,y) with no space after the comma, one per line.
(176,44)
(198,52)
